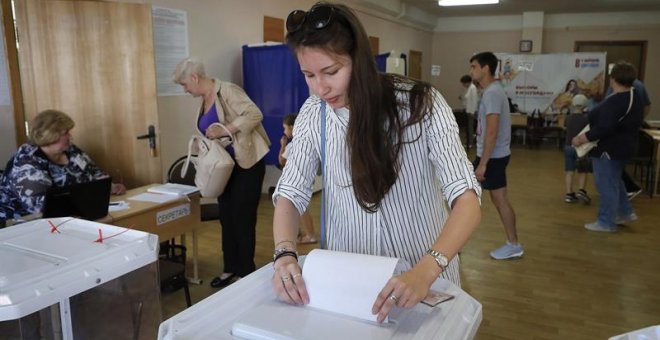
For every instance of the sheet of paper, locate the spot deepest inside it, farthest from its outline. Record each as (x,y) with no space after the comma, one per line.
(156,198)
(346,283)
(173,189)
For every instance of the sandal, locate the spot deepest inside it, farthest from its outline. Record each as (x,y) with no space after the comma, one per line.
(307,239)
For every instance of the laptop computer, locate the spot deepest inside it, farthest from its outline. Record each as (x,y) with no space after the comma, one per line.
(89,201)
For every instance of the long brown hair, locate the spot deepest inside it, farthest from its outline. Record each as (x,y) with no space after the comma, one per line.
(375,127)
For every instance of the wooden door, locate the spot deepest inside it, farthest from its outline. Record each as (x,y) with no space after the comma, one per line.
(633,52)
(94,61)
(415,65)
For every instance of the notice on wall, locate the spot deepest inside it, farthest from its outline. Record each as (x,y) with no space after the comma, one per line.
(548,82)
(435,70)
(171,46)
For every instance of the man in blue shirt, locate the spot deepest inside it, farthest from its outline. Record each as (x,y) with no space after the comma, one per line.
(493,148)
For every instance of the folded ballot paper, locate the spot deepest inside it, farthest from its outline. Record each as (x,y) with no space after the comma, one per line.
(346,283)
(342,289)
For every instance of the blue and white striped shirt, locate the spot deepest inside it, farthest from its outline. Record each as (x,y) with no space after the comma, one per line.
(434,171)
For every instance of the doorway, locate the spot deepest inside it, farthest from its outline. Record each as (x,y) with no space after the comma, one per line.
(633,52)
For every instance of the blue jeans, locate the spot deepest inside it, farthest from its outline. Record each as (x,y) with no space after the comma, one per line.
(613,199)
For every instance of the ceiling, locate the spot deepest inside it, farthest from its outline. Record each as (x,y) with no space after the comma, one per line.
(509,7)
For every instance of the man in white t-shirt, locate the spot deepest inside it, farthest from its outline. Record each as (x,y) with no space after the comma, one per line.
(493,148)
(470,101)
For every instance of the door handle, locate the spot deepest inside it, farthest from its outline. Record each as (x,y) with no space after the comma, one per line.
(151,136)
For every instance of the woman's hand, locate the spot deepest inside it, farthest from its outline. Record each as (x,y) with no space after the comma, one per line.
(480,172)
(118,189)
(405,291)
(215,131)
(579,140)
(284,141)
(288,281)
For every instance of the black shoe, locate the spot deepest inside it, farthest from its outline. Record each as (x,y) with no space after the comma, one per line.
(583,197)
(570,198)
(217,282)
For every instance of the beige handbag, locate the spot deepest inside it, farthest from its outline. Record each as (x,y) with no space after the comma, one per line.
(213,164)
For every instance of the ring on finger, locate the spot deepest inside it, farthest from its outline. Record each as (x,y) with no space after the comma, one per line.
(286,278)
(296,275)
(394,298)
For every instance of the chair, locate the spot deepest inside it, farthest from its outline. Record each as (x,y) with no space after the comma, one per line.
(643,160)
(543,127)
(534,131)
(208,211)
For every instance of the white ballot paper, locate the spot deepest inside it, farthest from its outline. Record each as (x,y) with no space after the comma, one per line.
(155,198)
(173,189)
(346,283)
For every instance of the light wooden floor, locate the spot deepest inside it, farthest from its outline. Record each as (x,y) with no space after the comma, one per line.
(570,284)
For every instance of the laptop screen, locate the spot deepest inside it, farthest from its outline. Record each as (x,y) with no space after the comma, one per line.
(89,200)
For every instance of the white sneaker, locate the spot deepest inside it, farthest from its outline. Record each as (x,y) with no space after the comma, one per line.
(595,226)
(627,219)
(633,194)
(507,251)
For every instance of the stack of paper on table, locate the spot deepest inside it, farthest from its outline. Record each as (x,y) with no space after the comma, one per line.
(165,193)
(173,189)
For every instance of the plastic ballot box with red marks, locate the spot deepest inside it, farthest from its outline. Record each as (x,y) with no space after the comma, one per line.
(66,278)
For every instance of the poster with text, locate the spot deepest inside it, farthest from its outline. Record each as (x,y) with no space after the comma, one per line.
(548,82)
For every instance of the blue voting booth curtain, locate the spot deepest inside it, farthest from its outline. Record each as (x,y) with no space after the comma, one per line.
(381,61)
(272,79)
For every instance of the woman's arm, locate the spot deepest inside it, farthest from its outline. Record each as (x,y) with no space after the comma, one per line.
(30,180)
(412,286)
(291,197)
(287,279)
(248,114)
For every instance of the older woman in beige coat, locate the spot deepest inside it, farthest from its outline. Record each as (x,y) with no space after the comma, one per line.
(228,104)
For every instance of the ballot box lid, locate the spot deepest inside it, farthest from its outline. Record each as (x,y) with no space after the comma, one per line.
(48,260)
(249,309)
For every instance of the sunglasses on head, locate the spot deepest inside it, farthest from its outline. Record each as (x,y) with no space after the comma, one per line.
(317,18)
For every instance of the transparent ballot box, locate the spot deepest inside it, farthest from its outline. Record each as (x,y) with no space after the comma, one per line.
(65,278)
(249,309)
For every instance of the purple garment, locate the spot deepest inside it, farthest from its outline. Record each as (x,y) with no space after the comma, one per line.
(210,117)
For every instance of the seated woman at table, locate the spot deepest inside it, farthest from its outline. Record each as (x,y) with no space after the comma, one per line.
(49,159)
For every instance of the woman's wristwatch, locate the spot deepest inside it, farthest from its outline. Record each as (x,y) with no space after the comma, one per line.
(439,258)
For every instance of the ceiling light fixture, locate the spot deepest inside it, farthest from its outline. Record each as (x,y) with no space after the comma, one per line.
(466,2)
